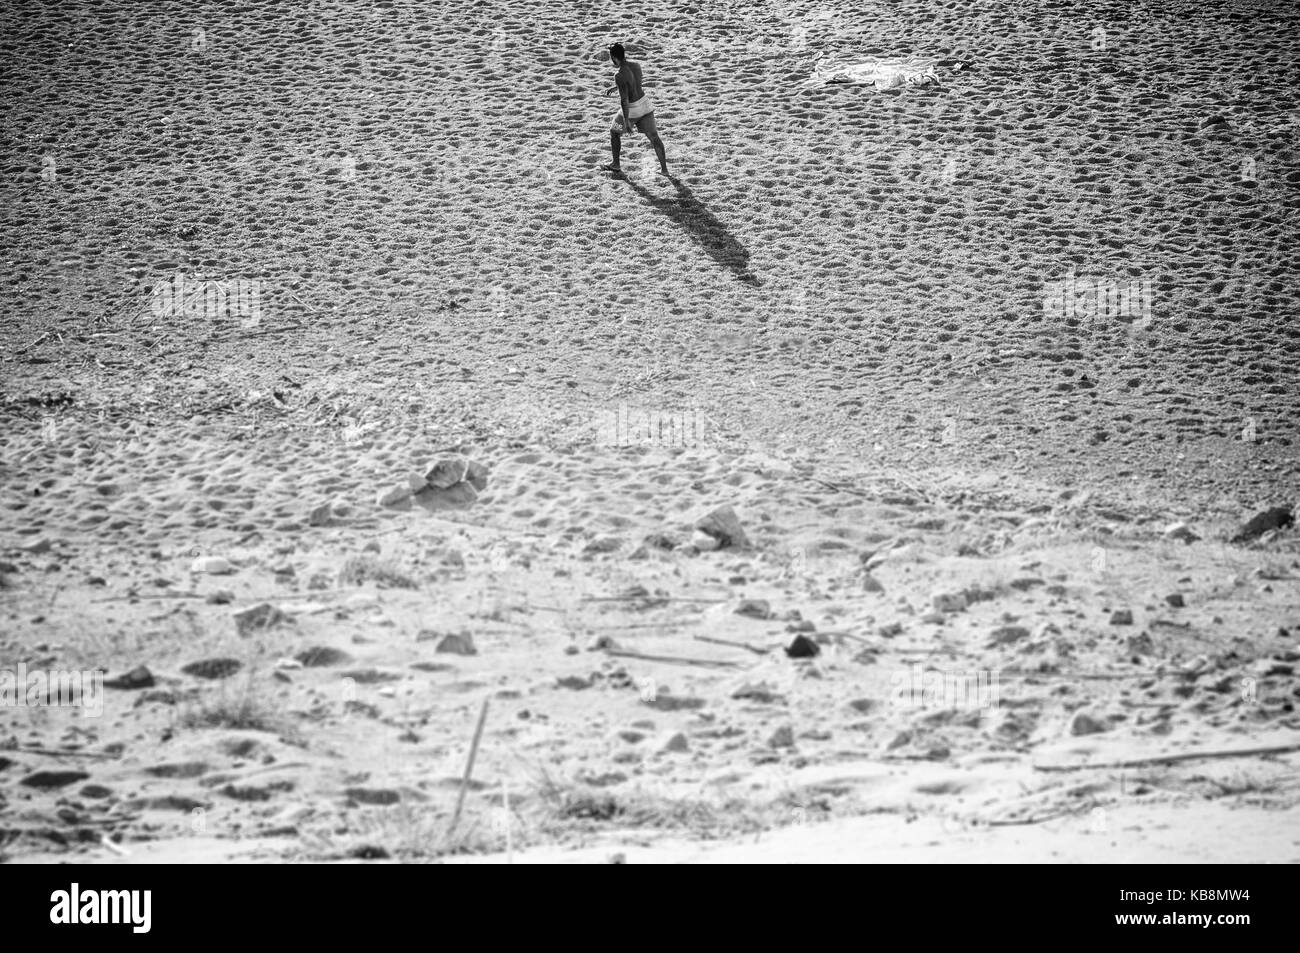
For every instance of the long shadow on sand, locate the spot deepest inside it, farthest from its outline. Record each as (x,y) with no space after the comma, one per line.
(703,226)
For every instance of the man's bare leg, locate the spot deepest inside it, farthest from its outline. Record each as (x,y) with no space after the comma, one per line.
(652,132)
(616,147)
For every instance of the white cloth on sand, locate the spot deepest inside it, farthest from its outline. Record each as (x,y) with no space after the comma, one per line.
(882,73)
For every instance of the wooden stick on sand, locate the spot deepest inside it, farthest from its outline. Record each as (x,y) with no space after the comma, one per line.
(1172,758)
(469,769)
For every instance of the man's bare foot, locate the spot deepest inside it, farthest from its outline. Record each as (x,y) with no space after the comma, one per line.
(612,167)
(663,170)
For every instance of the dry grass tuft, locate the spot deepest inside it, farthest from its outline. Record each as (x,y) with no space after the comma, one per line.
(385,573)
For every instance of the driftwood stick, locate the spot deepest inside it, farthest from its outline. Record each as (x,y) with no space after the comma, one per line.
(648,597)
(740,645)
(469,769)
(676,660)
(1171,758)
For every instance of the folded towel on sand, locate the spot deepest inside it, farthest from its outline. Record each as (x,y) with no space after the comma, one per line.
(882,73)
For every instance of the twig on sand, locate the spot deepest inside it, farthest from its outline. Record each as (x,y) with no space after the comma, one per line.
(664,624)
(740,645)
(115,848)
(257,334)
(469,769)
(162,595)
(34,343)
(300,301)
(648,597)
(1172,758)
(1040,818)
(53,753)
(856,637)
(676,660)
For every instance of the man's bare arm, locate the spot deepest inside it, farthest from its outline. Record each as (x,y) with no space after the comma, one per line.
(623,98)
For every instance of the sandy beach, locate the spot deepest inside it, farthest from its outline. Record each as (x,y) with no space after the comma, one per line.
(908,478)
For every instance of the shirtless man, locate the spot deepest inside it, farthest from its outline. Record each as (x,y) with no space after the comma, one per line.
(637,113)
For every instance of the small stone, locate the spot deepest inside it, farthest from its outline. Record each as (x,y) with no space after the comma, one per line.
(1085,724)
(374,796)
(601,642)
(934,618)
(95,792)
(663,701)
(1180,532)
(212,668)
(139,677)
(258,618)
(394,496)
(703,542)
(476,474)
(949,601)
(1140,644)
(212,565)
(415,483)
(1121,617)
(1006,634)
(322,656)
(754,609)
(803,647)
(1175,599)
(321,515)
(761,692)
(53,779)
(220,597)
(631,736)
(724,525)
(676,743)
(783,737)
(602,545)
(899,740)
(871,584)
(457,643)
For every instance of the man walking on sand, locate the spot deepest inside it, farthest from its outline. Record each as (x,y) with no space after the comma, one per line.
(637,112)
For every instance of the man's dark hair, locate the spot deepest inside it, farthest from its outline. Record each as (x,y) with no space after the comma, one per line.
(616,52)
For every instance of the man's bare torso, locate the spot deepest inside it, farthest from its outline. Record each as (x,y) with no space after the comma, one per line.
(628,80)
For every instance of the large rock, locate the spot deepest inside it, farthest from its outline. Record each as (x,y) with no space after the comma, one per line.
(449,471)
(446,473)
(1276,517)
(724,526)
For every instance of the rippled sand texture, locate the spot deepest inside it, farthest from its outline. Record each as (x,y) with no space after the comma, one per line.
(418,187)
(395,243)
